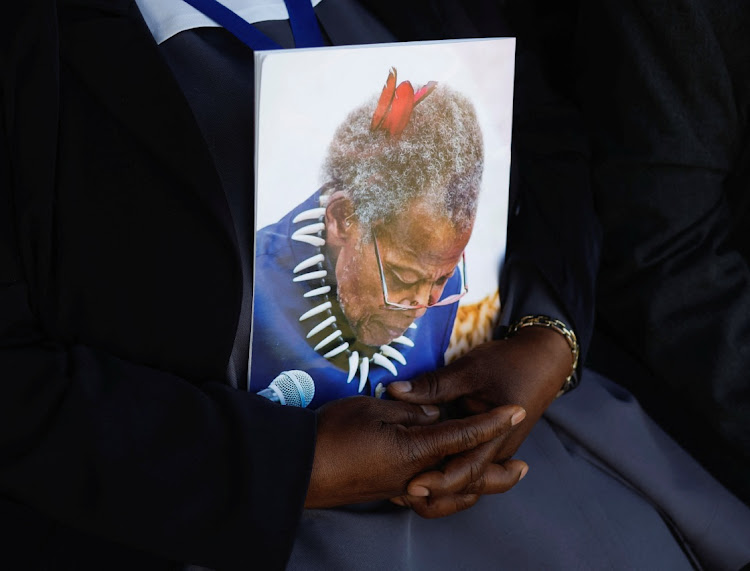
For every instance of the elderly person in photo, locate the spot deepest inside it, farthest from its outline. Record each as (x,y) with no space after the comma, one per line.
(359,284)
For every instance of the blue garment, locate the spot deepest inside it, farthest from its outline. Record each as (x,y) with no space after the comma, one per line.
(279,337)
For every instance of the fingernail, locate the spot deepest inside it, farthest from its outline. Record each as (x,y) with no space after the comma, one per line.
(518,417)
(523,473)
(430,410)
(399,501)
(401,386)
(420,491)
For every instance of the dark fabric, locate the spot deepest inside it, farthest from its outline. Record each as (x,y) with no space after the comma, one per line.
(121,289)
(194,61)
(666,88)
(625,496)
(117,321)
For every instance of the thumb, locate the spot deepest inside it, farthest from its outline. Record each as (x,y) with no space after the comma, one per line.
(435,387)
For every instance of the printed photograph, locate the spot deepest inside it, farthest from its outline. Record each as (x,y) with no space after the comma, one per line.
(381,203)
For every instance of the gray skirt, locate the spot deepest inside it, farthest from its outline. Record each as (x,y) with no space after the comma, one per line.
(606,489)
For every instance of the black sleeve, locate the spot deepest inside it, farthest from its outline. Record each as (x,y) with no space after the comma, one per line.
(665,88)
(553,233)
(191,472)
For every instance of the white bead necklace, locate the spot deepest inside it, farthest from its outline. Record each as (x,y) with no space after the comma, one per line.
(386,357)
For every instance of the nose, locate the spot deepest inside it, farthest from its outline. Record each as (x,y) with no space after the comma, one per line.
(421,295)
(419,312)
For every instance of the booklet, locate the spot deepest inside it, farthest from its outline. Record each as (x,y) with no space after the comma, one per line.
(381,200)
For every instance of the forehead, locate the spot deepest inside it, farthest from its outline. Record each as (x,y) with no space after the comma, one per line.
(420,236)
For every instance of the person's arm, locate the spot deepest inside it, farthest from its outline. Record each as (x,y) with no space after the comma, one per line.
(132,454)
(665,90)
(142,457)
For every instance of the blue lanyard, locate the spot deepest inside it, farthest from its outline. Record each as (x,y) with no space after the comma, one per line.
(301,18)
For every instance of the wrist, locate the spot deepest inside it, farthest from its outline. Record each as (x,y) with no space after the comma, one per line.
(556,341)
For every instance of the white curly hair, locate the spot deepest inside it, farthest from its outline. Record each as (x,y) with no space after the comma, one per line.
(438,157)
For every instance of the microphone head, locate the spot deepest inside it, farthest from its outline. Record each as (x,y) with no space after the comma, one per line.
(297,387)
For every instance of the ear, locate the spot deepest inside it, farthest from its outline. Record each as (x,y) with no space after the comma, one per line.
(341,227)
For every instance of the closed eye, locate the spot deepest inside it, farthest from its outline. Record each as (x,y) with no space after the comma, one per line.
(401,282)
(441,281)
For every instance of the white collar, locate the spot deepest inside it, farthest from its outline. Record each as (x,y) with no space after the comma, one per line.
(165,18)
(320,317)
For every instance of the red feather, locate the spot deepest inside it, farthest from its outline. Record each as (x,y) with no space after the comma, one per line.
(384,103)
(424,91)
(395,105)
(401,108)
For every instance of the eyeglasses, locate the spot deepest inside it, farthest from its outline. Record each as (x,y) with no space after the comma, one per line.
(403,307)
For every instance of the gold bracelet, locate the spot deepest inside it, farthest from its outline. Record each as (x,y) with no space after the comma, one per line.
(562,329)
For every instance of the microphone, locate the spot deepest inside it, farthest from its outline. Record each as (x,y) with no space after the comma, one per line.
(292,388)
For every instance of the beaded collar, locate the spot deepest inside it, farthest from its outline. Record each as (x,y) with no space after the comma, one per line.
(325,316)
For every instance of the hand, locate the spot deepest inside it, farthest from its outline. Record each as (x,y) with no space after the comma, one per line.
(368,449)
(527,369)
(460,483)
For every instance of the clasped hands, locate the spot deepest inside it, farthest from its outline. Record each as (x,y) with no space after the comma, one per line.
(448,437)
